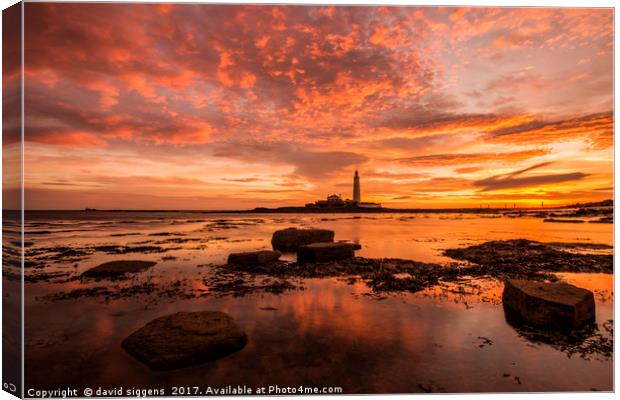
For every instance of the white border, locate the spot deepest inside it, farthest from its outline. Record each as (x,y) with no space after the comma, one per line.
(511,3)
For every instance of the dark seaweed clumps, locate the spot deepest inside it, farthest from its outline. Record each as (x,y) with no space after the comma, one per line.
(588,342)
(527,259)
(380,275)
(520,258)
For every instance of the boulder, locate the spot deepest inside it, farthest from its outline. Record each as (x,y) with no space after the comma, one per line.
(253,257)
(115,269)
(356,246)
(184,339)
(317,252)
(548,305)
(290,239)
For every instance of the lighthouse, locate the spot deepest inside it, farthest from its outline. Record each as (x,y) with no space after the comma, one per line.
(336,201)
(357,197)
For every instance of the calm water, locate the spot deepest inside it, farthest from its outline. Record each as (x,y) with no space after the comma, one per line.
(330,334)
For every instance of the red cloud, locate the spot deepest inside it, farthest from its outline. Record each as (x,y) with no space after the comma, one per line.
(67,138)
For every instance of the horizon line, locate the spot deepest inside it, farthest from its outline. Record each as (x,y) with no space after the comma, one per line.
(311,210)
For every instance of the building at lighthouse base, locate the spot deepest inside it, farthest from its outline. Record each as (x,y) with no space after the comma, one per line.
(336,201)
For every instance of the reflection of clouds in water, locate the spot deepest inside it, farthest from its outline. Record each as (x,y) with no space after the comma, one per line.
(323,335)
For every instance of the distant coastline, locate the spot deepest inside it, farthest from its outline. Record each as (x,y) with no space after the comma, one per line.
(353,210)
(305,210)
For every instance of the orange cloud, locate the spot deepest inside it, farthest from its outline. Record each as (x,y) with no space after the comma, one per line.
(73,139)
(467,170)
(523,178)
(470,158)
(597,128)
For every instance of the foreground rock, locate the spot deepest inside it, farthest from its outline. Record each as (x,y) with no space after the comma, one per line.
(254,257)
(184,339)
(320,252)
(117,269)
(549,305)
(291,239)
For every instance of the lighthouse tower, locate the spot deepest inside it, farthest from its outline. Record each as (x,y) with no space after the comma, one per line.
(357,197)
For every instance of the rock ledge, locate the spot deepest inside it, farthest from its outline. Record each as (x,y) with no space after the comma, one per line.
(291,239)
(253,257)
(320,252)
(549,305)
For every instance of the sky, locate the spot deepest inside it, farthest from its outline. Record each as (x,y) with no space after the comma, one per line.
(150,106)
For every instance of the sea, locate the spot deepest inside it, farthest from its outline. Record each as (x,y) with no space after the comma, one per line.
(329,332)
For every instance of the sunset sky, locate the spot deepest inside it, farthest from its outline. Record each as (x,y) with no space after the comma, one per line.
(233,107)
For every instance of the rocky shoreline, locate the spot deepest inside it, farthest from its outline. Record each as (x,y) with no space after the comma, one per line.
(519,258)
(260,272)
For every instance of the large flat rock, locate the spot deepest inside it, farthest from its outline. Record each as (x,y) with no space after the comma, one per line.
(115,269)
(549,305)
(291,238)
(184,339)
(253,257)
(318,252)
